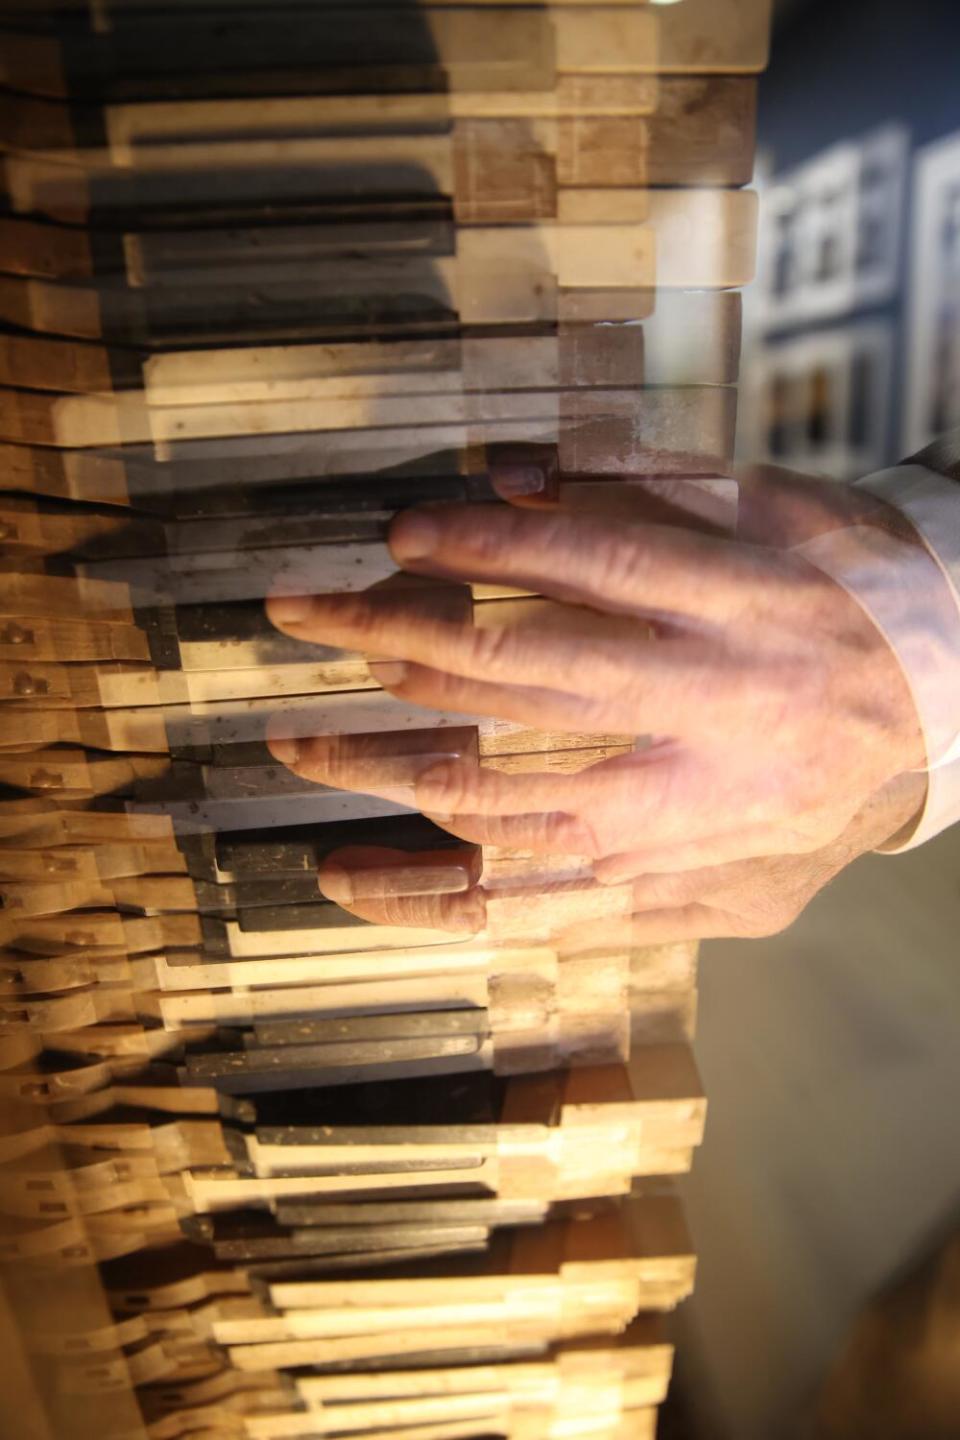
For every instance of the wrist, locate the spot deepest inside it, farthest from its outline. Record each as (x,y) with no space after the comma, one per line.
(895,580)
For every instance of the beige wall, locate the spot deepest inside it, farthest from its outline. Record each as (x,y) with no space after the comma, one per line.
(831,1059)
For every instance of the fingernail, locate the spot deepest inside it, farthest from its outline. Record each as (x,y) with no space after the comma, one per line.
(388,672)
(518,480)
(334,882)
(289,609)
(413,536)
(437,818)
(286,751)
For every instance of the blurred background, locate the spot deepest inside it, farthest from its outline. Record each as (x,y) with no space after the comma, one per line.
(855,345)
(831,1054)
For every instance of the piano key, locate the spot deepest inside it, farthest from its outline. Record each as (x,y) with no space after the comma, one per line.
(135,475)
(297,850)
(539,1009)
(307,1213)
(681,238)
(351,1241)
(702,131)
(182,971)
(584,355)
(429,50)
(286,901)
(295,1032)
(681,431)
(708,38)
(572,94)
(333,1064)
(714,36)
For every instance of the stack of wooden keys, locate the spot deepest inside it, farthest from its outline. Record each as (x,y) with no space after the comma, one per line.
(226,1172)
(265,281)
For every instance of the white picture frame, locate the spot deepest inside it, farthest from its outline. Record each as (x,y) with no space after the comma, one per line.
(821,400)
(932,335)
(831,231)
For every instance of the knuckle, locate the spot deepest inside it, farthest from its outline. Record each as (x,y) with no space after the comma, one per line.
(491,650)
(593,848)
(353,613)
(654,891)
(421,685)
(617,558)
(448,788)
(606,874)
(491,536)
(587,835)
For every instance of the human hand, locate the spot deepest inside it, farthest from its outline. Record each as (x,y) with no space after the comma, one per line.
(743,898)
(776,707)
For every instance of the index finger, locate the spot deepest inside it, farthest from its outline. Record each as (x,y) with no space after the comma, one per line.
(626,568)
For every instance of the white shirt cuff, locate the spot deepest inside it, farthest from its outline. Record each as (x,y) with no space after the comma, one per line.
(932,503)
(890,578)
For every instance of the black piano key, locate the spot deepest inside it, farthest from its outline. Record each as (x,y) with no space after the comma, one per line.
(294,50)
(252,462)
(416,227)
(228,899)
(365,493)
(273,311)
(267,463)
(354,1245)
(313,1266)
(252,854)
(321,915)
(309,1031)
(489,1213)
(152,540)
(216,633)
(338,1062)
(238,634)
(212,859)
(468,1099)
(243,1237)
(280,803)
(241,196)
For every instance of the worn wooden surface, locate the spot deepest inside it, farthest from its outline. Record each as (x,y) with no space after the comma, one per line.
(269,278)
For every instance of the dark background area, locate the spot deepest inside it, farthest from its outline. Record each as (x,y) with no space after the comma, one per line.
(840,68)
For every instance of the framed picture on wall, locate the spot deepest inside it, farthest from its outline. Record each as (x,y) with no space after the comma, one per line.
(822,400)
(832,230)
(932,360)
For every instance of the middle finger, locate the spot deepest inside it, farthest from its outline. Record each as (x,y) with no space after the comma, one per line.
(530,642)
